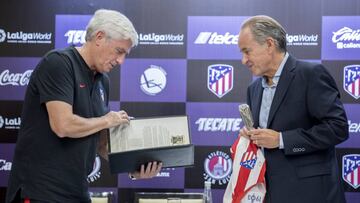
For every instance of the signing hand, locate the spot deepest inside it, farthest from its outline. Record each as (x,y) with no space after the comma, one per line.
(114,118)
(151,170)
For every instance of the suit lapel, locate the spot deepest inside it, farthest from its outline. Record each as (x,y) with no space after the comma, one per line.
(282,87)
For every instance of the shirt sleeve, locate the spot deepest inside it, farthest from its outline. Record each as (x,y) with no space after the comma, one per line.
(55,79)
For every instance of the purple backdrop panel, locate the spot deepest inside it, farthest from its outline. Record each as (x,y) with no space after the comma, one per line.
(6,157)
(341,37)
(214,123)
(114,106)
(14,76)
(167,178)
(159,80)
(353,114)
(213,37)
(352,197)
(70,29)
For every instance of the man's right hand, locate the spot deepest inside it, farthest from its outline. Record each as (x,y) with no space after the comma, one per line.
(114,118)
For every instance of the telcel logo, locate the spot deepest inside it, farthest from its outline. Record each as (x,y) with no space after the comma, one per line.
(354,127)
(217,39)
(346,38)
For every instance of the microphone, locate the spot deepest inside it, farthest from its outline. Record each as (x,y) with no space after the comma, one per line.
(246,116)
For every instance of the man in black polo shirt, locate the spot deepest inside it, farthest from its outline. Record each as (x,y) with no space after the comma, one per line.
(65,115)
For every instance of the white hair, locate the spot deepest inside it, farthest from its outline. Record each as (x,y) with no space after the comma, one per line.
(114,24)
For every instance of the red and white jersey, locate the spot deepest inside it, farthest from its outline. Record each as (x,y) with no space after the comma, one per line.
(247,182)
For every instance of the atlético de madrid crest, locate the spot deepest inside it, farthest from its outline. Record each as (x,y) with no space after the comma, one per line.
(220,79)
(351,169)
(352,80)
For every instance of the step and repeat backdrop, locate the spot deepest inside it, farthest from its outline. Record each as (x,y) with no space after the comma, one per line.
(187,63)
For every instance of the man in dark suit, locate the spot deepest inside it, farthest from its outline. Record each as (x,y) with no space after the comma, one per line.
(297,114)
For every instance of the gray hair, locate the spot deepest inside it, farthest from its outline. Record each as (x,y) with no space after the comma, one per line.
(114,24)
(263,27)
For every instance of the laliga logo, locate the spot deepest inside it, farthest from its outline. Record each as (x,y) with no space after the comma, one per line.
(218,167)
(153,80)
(2,35)
(1,122)
(95,173)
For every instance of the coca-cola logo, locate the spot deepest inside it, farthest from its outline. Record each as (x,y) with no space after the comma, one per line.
(16,79)
(346,34)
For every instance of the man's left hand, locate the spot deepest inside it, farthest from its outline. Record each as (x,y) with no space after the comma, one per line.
(266,138)
(151,170)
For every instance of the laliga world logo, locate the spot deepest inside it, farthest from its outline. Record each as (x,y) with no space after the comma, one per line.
(218,167)
(2,35)
(10,123)
(346,38)
(1,122)
(302,40)
(153,80)
(350,169)
(351,82)
(95,173)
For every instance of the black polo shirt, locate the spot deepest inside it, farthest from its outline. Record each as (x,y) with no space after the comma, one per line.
(46,167)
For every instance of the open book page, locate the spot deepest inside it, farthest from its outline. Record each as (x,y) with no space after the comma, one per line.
(150,133)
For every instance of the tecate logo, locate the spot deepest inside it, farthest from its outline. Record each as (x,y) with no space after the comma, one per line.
(217,39)
(75,36)
(15,79)
(218,124)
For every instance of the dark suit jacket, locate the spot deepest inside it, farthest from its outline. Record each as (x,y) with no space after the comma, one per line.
(307,110)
